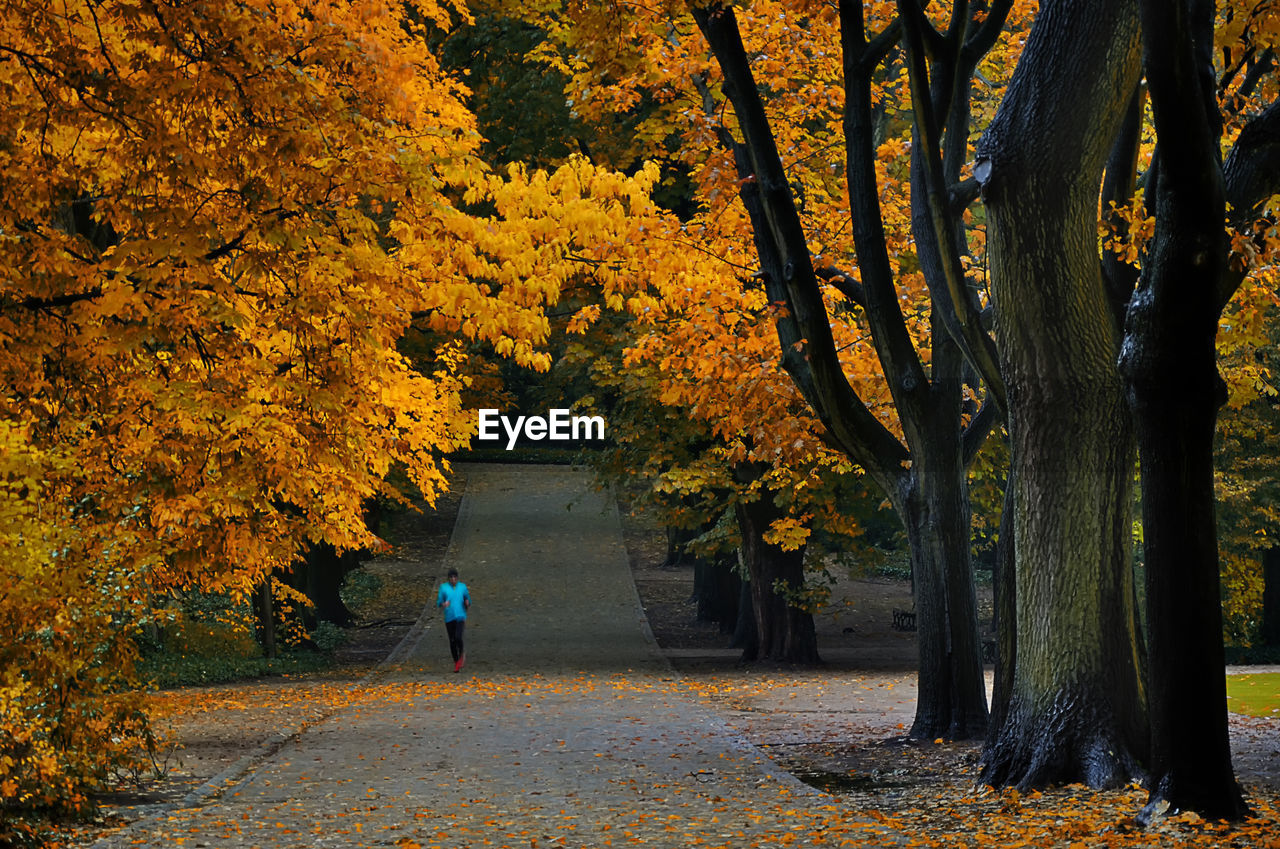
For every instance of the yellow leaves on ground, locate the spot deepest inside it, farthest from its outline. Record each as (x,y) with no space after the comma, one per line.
(944,813)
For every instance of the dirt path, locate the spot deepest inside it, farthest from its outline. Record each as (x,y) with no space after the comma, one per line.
(569,727)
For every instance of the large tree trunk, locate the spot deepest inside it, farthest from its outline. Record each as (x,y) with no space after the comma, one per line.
(1075,712)
(784,632)
(1175,409)
(1170,362)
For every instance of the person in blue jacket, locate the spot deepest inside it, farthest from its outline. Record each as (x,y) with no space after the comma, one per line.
(455,600)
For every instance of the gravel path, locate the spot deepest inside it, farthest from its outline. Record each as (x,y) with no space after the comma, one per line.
(567,727)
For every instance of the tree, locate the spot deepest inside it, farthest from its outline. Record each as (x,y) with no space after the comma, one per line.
(219,224)
(925,478)
(1076,708)
(893,375)
(1247,473)
(746,481)
(1170,366)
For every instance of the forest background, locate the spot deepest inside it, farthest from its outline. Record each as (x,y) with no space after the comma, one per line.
(264,261)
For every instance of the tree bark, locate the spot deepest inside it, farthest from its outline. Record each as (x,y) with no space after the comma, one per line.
(1075,712)
(1170,362)
(1005,596)
(784,632)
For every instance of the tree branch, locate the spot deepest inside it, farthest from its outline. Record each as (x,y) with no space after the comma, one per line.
(1119,183)
(1252,175)
(979,428)
(844,284)
(962,194)
(960,314)
(988,32)
(781,240)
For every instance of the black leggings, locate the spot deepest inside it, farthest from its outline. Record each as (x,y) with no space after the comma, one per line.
(456,628)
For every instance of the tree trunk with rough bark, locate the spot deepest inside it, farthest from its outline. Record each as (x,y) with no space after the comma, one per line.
(1004,616)
(1075,712)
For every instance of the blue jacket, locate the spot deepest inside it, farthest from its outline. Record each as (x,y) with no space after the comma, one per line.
(459,600)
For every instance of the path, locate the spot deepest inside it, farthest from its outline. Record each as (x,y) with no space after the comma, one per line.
(566,728)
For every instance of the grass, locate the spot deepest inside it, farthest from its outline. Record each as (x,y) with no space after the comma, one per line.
(1254,694)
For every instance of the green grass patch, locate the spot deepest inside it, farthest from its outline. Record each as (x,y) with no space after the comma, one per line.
(1254,694)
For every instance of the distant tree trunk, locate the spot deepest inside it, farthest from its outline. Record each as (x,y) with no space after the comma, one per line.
(265,608)
(1170,362)
(320,576)
(1271,597)
(717,587)
(677,539)
(744,629)
(716,584)
(784,632)
(1076,709)
(322,570)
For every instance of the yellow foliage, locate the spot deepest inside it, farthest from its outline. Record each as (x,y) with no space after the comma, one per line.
(64,719)
(1242,597)
(220,221)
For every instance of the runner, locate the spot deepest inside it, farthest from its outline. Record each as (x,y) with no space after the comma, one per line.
(456,601)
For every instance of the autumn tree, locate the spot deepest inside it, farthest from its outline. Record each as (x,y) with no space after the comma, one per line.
(220,222)
(889,371)
(1247,473)
(759,480)
(925,477)
(692,469)
(1078,704)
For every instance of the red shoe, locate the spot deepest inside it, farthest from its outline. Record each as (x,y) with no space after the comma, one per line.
(462,661)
